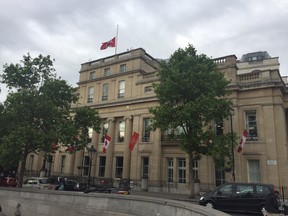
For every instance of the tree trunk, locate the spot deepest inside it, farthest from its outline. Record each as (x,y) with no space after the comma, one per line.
(191,176)
(22,170)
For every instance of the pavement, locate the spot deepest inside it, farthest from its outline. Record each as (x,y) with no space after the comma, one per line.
(172,196)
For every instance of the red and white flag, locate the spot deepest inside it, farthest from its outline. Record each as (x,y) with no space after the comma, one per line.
(134,140)
(242,141)
(111,43)
(106,143)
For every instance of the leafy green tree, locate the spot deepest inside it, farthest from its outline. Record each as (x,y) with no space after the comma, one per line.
(192,95)
(38,112)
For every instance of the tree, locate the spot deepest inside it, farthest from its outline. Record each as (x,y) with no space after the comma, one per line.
(38,112)
(191,94)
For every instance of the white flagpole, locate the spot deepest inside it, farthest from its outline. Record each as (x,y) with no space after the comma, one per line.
(116,40)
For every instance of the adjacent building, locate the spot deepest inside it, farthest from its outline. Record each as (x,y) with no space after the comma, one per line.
(120,88)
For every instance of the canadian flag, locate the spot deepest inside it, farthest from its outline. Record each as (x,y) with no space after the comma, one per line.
(111,43)
(106,143)
(242,141)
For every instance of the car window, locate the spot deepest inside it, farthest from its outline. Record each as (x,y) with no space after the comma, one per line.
(244,191)
(226,190)
(262,190)
(31,181)
(43,181)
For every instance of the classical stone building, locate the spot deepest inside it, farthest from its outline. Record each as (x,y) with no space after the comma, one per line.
(120,88)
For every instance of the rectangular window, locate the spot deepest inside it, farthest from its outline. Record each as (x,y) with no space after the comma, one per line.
(90,94)
(145,165)
(146,130)
(251,125)
(102,164)
(62,167)
(254,171)
(182,170)
(121,89)
(92,75)
(104,131)
(107,72)
(122,68)
(85,166)
(170,170)
(147,89)
(195,169)
(105,90)
(121,131)
(119,167)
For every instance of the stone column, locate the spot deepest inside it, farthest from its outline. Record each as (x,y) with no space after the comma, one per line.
(127,152)
(110,150)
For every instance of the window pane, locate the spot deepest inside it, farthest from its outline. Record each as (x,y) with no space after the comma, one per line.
(105,90)
(146,130)
(122,68)
(251,125)
(119,167)
(121,131)
(145,165)
(181,170)
(121,89)
(170,170)
(92,75)
(106,71)
(90,94)
(102,164)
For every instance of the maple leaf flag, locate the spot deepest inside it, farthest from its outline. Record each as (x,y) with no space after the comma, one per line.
(111,43)
(134,140)
(106,143)
(242,141)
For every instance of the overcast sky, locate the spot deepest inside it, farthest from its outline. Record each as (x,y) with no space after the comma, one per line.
(72,31)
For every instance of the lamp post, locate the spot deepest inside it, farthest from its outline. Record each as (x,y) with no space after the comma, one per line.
(91,153)
(232,145)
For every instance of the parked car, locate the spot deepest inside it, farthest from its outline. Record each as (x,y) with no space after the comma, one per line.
(8,182)
(38,183)
(70,185)
(238,197)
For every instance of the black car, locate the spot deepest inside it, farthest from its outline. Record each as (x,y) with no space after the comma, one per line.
(238,197)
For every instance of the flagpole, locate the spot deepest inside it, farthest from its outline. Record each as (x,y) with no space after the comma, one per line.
(116,40)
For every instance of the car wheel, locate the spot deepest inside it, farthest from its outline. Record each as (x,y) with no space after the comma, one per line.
(210,204)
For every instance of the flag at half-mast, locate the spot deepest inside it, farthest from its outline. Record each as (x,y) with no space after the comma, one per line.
(242,141)
(110,43)
(106,143)
(134,140)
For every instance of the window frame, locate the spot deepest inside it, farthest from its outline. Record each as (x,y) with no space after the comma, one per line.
(122,68)
(90,94)
(118,167)
(107,72)
(170,170)
(145,167)
(181,170)
(105,91)
(146,132)
(121,89)
(251,125)
(102,166)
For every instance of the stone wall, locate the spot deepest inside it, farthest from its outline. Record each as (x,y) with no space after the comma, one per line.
(59,203)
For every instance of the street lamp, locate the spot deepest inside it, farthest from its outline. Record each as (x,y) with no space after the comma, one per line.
(232,145)
(91,153)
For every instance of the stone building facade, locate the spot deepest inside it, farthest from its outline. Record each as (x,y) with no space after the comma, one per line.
(120,88)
